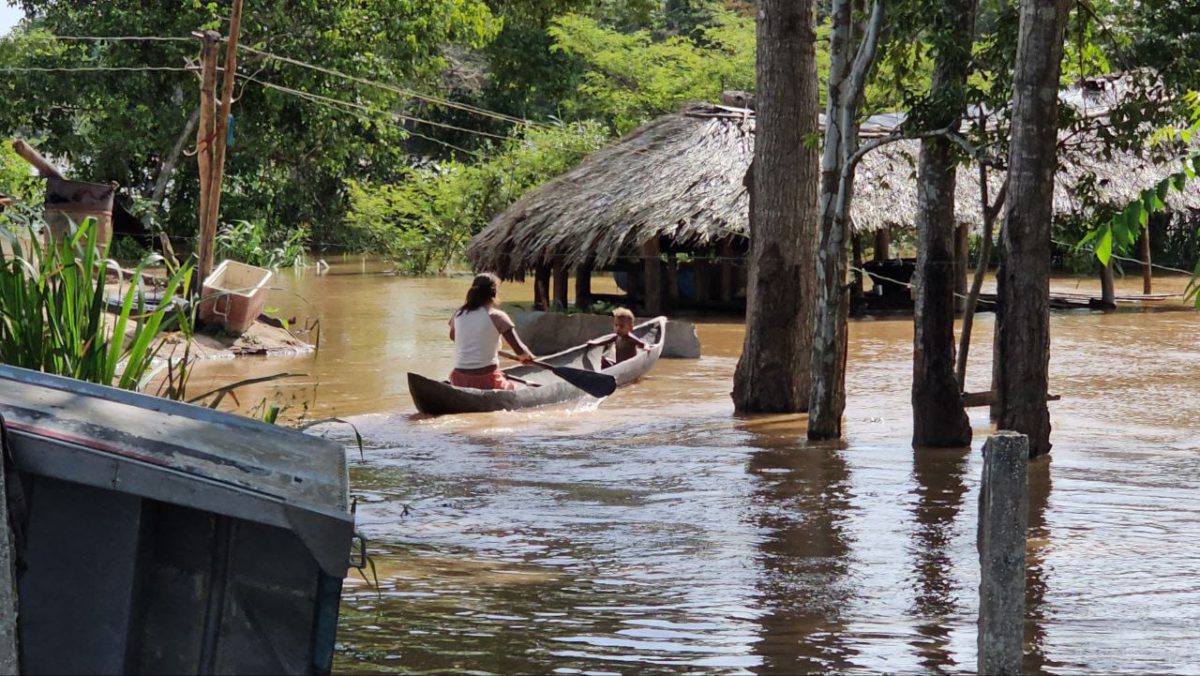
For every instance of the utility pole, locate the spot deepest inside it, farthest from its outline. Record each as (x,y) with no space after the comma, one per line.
(213,134)
(205,137)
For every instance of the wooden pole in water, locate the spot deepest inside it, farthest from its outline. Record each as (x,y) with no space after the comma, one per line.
(726,267)
(205,135)
(1108,294)
(1003,518)
(672,281)
(883,242)
(561,282)
(219,141)
(1147,286)
(651,253)
(541,288)
(583,286)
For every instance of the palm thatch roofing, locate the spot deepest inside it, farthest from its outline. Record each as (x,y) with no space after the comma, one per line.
(680,177)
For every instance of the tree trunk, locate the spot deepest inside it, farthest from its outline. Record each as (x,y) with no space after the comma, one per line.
(847,81)
(772,372)
(1024,323)
(962,262)
(939,418)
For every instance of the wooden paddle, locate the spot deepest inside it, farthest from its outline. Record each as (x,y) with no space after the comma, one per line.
(598,385)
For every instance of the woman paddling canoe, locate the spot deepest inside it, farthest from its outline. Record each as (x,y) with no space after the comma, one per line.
(476,329)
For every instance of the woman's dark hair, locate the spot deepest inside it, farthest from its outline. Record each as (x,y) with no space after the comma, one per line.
(482,291)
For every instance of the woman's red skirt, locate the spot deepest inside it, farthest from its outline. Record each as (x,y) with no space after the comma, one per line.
(492,380)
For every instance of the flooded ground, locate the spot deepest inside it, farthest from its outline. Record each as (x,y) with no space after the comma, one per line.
(657,532)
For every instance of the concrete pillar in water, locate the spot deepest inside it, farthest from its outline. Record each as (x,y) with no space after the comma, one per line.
(1003,518)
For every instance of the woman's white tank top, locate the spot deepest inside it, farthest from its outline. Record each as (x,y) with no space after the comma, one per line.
(476,340)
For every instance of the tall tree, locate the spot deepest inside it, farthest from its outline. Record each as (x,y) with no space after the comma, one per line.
(1023,323)
(850,62)
(772,373)
(939,418)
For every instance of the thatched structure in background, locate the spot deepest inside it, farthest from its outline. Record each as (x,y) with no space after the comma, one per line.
(676,185)
(680,178)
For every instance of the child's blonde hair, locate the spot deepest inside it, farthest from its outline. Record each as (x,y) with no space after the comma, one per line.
(623,313)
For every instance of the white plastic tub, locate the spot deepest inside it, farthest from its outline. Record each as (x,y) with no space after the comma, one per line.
(234,295)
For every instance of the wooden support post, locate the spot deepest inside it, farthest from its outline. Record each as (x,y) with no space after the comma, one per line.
(883,244)
(205,136)
(27,152)
(1147,286)
(962,254)
(561,279)
(672,282)
(1003,518)
(1108,293)
(219,141)
(727,281)
(10,653)
(703,272)
(652,304)
(541,288)
(583,286)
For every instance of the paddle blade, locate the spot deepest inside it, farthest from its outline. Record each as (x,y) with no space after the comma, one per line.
(598,385)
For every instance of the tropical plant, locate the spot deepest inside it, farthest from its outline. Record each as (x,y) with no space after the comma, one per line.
(54,308)
(424,221)
(250,242)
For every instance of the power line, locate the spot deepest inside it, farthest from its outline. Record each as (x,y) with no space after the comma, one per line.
(94,69)
(395,89)
(365,114)
(121,38)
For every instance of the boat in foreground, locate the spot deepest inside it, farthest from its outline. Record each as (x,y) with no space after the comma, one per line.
(434,397)
(163,538)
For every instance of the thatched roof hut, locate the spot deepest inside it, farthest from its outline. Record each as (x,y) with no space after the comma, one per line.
(680,178)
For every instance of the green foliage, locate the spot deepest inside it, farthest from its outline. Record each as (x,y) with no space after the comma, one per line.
(292,156)
(17,178)
(630,78)
(424,221)
(251,242)
(126,250)
(53,311)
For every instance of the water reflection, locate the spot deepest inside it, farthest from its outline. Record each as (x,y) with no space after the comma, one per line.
(940,489)
(801,497)
(1036,572)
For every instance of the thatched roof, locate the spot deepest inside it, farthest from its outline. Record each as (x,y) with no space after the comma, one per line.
(680,177)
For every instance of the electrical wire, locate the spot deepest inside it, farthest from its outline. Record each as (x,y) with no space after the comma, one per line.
(475,110)
(94,69)
(121,38)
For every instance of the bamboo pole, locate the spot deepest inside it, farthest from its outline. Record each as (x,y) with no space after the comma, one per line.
(205,135)
(219,142)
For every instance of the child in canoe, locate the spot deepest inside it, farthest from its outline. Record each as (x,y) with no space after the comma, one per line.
(626,344)
(476,329)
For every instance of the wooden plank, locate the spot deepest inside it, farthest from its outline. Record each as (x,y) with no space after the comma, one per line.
(973,399)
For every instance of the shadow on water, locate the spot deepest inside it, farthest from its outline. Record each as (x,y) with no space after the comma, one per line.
(800,501)
(939,475)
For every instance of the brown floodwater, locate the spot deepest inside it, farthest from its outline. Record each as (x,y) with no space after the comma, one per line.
(658,532)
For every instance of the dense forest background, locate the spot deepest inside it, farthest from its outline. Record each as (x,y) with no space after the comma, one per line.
(400,127)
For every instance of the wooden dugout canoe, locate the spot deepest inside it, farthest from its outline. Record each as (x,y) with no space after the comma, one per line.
(434,397)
